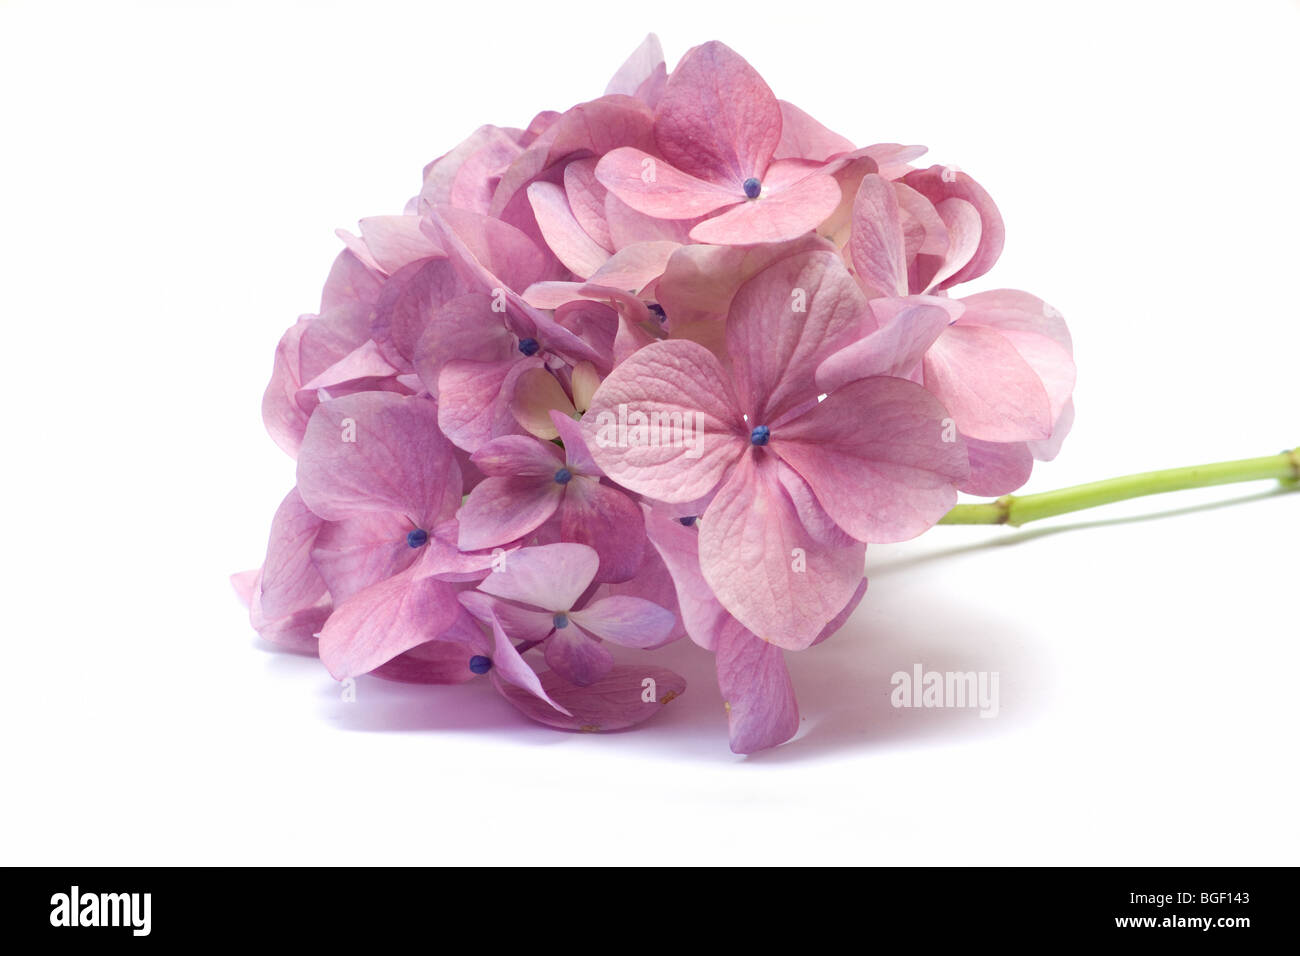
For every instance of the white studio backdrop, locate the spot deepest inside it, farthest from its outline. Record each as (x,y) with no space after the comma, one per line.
(170,179)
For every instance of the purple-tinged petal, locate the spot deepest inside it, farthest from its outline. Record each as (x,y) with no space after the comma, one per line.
(378,451)
(989,388)
(290,580)
(629,621)
(474,400)
(501,510)
(764,566)
(777,217)
(908,327)
(939,183)
(375,625)
(802,137)
(587,200)
(756,691)
(397,241)
(576,657)
(674,462)
(645,61)
(580,253)
(518,456)
(551,576)
(874,454)
(606,519)
(519,623)
(509,669)
(678,545)
(576,454)
(783,323)
(625,697)
(362,550)
(996,468)
(717,119)
(635,266)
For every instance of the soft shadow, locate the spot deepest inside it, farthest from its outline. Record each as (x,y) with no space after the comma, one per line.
(1008,539)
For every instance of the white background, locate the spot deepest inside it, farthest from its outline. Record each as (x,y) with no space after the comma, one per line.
(170,178)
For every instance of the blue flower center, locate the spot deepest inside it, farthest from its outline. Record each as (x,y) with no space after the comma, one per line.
(528,346)
(752,188)
(480,664)
(561,620)
(760,435)
(563,476)
(657,311)
(417,538)
(687,521)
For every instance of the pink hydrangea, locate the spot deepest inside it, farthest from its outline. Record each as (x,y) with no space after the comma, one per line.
(661,365)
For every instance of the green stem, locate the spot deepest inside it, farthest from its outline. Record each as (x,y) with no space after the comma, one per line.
(1016,510)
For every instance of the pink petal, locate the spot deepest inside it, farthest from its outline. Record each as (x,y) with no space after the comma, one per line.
(375,625)
(756,690)
(576,454)
(657,188)
(474,400)
(537,394)
(775,348)
(607,520)
(678,545)
(501,510)
(518,456)
(509,669)
(362,550)
(776,217)
(626,696)
(717,119)
(666,378)
(989,388)
(908,327)
(627,226)
(874,455)
(551,576)
(939,183)
(396,241)
(802,137)
(580,253)
(764,566)
(962,221)
(644,62)
(996,468)
(464,328)
(290,580)
(576,657)
(396,460)
(629,621)
(587,200)
(520,624)
(877,243)
(636,266)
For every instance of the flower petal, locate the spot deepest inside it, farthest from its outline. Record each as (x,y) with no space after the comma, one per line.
(550,576)
(626,696)
(573,655)
(629,621)
(501,510)
(756,690)
(776,217)
(606,519)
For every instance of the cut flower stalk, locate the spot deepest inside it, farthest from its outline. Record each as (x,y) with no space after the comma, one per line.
(1016,510)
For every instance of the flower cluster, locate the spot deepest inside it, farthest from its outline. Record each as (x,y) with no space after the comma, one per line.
(659,366)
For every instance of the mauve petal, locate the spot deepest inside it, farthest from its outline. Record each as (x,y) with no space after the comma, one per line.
(939,183)
(629,621)
(877,244)
(375,625)
(657,188)
(362,550)
(627,226)
(576,657)
(666,378)
(776,217)
(636,266)
(988,387)
(509,669)
(764,566)
(551,576)
(396,241)
(462,176)
(774,348)
(576,454)
(290,580)
(874,455)
(579,252)
(756,691)
(474,400)
(699,281)
(644,62)
(376,451)
(519,623)
(802,137)
(1011,310)
(350,281)
(625,697)
(717,119)
(702,614)
(587,200)
(466,329)
(1048,449)
(1053,365)
(501,510)
(908,327)
(996,468)
(295,632)
(607,520)
(962,221)
(435,662)
(408,301)
(365,361)
(517,456)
